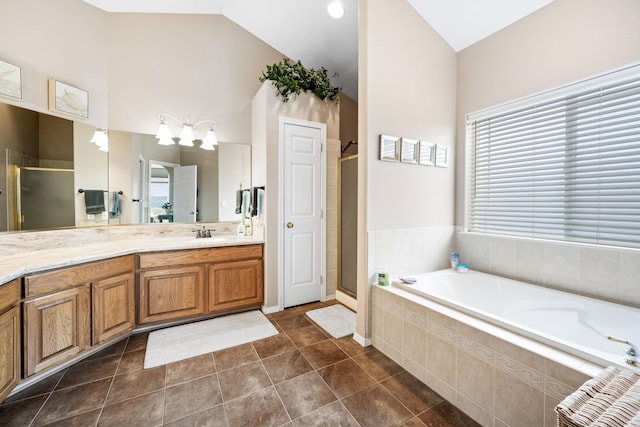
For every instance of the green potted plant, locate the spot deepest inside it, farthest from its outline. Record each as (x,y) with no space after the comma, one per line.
(291,78)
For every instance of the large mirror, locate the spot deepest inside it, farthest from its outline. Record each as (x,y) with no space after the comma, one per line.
(52,176)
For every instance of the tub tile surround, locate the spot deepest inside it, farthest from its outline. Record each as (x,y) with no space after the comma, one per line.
(495,376)
(611,274)
(410,251)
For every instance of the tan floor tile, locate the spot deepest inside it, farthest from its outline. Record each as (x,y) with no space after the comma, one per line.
(304,394)
(190,397)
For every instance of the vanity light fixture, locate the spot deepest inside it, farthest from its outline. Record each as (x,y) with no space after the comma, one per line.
(335,9)
(101,139)
(187,133)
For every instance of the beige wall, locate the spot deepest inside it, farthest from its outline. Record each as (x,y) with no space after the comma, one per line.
(407,87)
(566,41)
(202,65)
(90,173)
(65,40)
(411,86)
(348,123)
(267,108)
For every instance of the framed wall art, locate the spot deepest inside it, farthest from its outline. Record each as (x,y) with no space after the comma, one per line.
(409,153)
(10,80)
(426,156)
(64,98)
(442,155)
(389,148)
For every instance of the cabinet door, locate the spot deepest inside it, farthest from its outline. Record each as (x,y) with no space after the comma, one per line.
(9,351)
(235,284)
(113,307)
(56,327)
(171,293)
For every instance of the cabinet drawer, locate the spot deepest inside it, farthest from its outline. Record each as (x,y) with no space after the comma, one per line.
(199,256)
(9,294)
(65,278)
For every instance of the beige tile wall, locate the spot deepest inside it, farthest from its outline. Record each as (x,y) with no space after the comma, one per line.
(495,382)
(601,272)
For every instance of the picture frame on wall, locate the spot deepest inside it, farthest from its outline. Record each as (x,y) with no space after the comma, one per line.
(409,153)
(426,156)
(389,148)
(10,80)
(442,155)
(64,98)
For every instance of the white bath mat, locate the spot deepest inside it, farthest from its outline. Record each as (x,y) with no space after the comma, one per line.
(185,341)
(336,319)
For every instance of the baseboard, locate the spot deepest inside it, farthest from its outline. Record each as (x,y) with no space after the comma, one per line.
(365,342)
(269,310)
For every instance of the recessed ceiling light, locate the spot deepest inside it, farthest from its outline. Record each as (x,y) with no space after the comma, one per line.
(335,9)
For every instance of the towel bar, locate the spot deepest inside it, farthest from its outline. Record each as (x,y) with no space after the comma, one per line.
(80,190)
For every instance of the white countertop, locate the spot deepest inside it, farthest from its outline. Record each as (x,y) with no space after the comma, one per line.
(20,264)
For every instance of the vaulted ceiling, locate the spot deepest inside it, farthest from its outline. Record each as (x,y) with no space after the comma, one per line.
(302,29)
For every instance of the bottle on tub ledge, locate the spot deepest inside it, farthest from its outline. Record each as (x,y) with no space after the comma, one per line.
(454,260)
(382,277)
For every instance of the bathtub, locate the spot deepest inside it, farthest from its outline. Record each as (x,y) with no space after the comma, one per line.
(571,323)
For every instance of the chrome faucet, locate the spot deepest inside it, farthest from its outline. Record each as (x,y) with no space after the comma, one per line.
(632,355)
(202,233)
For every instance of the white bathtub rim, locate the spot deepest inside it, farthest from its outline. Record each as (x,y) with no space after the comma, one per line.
(563,358)
(597,356)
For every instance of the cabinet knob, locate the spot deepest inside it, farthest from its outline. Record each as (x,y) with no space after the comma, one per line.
(289,224)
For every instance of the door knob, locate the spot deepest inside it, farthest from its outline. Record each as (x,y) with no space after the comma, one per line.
(289,224)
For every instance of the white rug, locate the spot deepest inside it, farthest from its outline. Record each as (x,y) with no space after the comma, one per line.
(336,319)
(185,341)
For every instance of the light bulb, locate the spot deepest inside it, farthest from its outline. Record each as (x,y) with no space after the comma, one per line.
(335,9)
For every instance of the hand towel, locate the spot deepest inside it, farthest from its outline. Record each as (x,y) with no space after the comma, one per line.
(94,201)
(238,201)
(115,204)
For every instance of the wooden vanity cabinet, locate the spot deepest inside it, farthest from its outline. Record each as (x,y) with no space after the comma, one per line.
(113,306)
(9,337)
(63,307)
(171,293)
(236,284)
(180,284)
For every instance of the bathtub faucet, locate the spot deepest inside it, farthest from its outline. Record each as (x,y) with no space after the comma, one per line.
(632,354)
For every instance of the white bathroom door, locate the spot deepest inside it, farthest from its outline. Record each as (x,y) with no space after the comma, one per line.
(185,193)
(304,163)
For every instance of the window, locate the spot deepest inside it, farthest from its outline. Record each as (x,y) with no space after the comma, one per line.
(563,165)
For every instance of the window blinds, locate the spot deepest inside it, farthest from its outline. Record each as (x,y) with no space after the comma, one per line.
(564,165)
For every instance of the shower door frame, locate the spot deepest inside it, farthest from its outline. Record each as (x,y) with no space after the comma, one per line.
(339,188)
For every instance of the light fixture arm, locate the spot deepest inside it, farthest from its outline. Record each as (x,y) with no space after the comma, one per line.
(162,116)
(195,126)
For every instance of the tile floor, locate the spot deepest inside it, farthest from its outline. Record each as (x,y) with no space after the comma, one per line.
(300,377)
